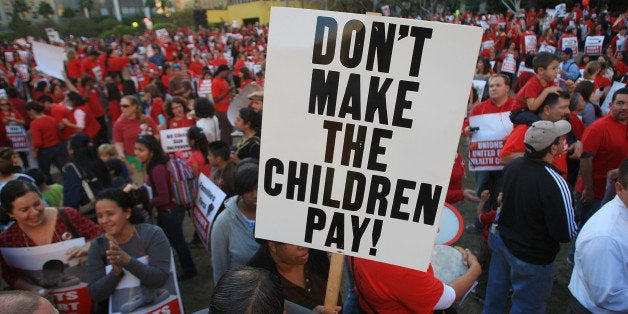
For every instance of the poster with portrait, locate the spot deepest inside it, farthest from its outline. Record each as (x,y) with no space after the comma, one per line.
(48,266)
(130,297)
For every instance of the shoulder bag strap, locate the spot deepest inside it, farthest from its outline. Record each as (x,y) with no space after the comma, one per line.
(84,183)
(68,224)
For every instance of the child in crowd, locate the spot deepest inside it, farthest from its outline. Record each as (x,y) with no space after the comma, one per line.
(198,159)
(487,218)
(222,175)
(52,194)
(532,95)
(107,152)
(118,172)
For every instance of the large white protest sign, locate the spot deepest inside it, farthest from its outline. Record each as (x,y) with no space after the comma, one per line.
(48,266)
(487,143)
(49,59)
(208,201)
(361,116)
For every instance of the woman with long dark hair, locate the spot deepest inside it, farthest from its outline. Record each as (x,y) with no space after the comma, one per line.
(200,150)
(85,165)
(249,123)
(35,225)
(170,215)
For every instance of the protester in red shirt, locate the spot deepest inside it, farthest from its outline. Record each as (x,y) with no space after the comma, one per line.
(46,140)
(221,92)
(73,66)
(200,152)
(177,111)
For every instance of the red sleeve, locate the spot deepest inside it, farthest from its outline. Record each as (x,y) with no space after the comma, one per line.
(577,126)
(152,126)
(514,143)
(83,226)
(488,217)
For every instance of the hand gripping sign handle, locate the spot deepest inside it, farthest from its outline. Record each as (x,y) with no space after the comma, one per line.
(333,281)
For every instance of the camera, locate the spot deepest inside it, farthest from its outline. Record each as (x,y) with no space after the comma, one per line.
(474,128)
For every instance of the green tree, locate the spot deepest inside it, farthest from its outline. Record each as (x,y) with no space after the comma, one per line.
(20,7)
(45,9)
(68,12)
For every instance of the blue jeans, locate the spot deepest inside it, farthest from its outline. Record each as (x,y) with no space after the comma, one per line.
(171,223)
(532,284)
(352,304)
(584,212)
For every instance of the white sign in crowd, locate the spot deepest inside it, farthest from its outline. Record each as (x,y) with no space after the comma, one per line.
(357,147)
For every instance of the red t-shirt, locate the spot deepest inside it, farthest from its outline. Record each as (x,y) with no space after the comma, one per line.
(157,108)
(60,112)
(196,158)
(514,144)
(114,110)
(93,101)
(395,289)
(92,126)
(44,132)
(606,139)
(126,131)
(577,126)
(181,123)
(74,69)
(219,87)
(532,89)
(88,66)
(487,107)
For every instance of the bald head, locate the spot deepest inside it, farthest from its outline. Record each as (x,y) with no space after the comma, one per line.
(18,301)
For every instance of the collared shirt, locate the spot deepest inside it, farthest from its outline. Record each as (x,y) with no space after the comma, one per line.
(600,276)
(572,72)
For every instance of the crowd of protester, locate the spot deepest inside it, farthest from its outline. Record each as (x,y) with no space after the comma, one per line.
(100,127)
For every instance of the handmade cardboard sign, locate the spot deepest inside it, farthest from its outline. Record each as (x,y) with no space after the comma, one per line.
(362,116)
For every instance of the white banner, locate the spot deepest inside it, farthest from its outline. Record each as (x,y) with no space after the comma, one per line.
(487,142)
(208,201)
(355,96)
(173,140)
(49,59)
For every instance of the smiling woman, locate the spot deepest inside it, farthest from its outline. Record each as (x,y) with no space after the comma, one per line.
(125,241)
(37,225)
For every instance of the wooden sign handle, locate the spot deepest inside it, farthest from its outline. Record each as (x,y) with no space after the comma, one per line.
(333,281)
